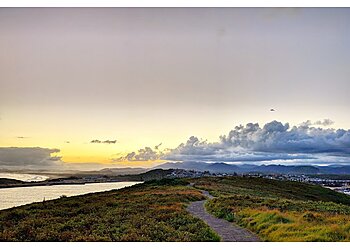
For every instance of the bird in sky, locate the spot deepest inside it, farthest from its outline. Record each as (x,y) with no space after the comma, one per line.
(272,110)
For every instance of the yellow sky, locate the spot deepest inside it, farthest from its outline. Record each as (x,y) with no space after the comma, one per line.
(137,133)
(149,76)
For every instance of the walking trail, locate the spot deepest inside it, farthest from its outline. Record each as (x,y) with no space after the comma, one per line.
(226,230)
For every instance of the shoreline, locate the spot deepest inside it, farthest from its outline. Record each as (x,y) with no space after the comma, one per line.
(41,193)
(31,184)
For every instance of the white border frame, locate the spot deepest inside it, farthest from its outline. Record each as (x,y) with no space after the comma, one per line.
(171,245)
(174,3)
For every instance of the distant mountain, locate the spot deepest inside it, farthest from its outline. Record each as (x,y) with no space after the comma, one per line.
(282,169)
(123,170)
(218,167)
(188,165)
(7,181)
(113,171)
(305,170)
(335,169)
(221,167)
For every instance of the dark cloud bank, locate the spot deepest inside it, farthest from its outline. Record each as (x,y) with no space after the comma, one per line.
(254,143)
(37,157)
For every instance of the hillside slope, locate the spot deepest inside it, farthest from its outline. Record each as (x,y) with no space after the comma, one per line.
(280,210)
(262,187)
(155,211)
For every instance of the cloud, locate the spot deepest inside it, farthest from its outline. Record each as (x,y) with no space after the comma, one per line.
(325,122)
(276,137)
(106,141)
(31,156)
(143,154)
(95,141)
(272,141)
(110,141)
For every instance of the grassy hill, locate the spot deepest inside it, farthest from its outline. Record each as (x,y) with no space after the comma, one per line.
(280,210)
(262,187)
(155,211)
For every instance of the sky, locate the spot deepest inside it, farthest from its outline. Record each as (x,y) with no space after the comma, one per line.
(88,87)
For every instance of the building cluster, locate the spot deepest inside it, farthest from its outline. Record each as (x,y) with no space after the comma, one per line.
(183,173)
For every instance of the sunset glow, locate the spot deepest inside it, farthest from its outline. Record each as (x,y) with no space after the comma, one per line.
(134,80)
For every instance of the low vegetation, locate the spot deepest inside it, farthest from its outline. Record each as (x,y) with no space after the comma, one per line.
(155,211)
(280,210)
(261,187)
(152,211)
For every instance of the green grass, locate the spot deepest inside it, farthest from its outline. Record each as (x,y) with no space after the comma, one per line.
(280,210)
(153,211)
(267,188)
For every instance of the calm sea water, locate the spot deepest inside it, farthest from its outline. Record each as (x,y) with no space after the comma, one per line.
(12,197)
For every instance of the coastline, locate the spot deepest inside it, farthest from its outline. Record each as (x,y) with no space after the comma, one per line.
(46,183)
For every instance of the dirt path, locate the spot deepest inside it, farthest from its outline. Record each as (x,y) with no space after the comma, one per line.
(226,230)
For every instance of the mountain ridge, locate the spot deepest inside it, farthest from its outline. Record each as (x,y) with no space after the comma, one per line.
(221,167)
